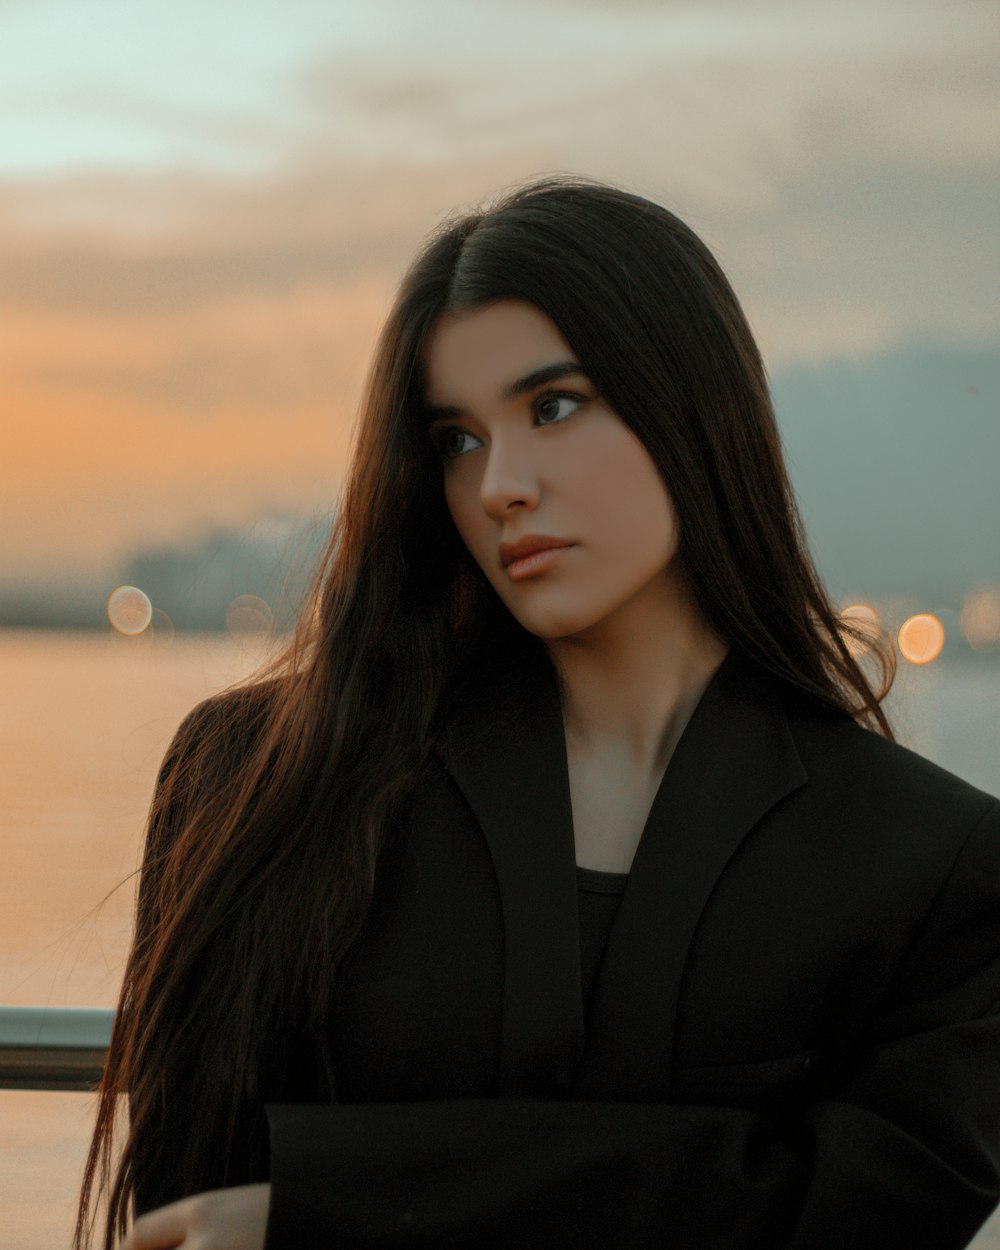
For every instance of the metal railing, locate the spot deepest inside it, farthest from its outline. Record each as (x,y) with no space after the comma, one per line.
(61,1048)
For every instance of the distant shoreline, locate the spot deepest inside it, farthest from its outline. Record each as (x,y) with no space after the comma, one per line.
(956,649)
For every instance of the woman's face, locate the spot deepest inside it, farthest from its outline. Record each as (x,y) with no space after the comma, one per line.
(548,457)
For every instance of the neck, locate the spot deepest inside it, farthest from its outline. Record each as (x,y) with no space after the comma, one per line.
(630,684)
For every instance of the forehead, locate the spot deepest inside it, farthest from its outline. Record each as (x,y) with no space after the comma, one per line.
(478,354)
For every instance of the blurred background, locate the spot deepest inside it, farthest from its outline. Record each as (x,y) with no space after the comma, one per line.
(204,210)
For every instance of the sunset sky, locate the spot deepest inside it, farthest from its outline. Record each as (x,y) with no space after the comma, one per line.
(204,209)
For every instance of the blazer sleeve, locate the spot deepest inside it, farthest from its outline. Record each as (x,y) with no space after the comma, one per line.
(902,1150)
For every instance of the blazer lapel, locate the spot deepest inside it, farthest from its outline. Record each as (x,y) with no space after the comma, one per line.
(512,771)
(734,761)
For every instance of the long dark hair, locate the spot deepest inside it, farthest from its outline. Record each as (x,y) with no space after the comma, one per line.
(275,800)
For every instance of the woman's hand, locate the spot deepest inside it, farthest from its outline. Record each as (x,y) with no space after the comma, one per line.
(221,1219)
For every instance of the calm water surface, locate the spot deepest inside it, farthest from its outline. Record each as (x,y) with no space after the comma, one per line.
(84,722)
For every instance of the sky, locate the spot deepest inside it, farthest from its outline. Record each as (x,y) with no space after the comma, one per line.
(204,210)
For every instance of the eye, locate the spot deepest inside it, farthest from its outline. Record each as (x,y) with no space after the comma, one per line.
(441,439)
(556,398)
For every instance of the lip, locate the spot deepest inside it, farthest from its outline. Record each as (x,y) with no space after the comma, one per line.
(528,545)
(538,562)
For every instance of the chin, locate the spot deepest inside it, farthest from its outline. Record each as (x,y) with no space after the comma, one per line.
(552,627)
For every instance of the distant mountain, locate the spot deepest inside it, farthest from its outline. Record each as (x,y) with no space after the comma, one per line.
(896,464)
(196,585)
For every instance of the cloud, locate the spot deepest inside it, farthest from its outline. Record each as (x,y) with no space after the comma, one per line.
(186,337)
(122,431)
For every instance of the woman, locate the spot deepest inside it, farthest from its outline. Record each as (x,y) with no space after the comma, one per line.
(581,899)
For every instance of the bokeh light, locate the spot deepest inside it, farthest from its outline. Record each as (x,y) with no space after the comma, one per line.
(980,619)
(249,614)
(864,617)
(129,610)
(921,638)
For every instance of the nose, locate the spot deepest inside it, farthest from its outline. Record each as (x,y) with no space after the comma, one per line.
(510,477)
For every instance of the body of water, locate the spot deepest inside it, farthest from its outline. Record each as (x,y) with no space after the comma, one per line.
(84,722)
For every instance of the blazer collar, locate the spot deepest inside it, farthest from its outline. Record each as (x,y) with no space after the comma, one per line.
(734,761)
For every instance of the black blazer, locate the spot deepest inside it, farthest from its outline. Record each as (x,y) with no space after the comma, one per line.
(794,1041)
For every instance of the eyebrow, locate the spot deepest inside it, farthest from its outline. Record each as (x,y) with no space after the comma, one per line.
(537,377)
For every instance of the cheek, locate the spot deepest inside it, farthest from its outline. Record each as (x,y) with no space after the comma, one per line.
(627,497)
(465,519)
(638,526)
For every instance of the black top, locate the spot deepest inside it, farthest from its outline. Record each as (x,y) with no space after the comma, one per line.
(598,895)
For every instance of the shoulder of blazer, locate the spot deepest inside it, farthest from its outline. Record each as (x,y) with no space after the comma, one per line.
(882,788)
(229,724)
(211,743)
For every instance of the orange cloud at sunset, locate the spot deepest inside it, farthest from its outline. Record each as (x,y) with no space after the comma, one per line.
(122,428)
(182,352)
